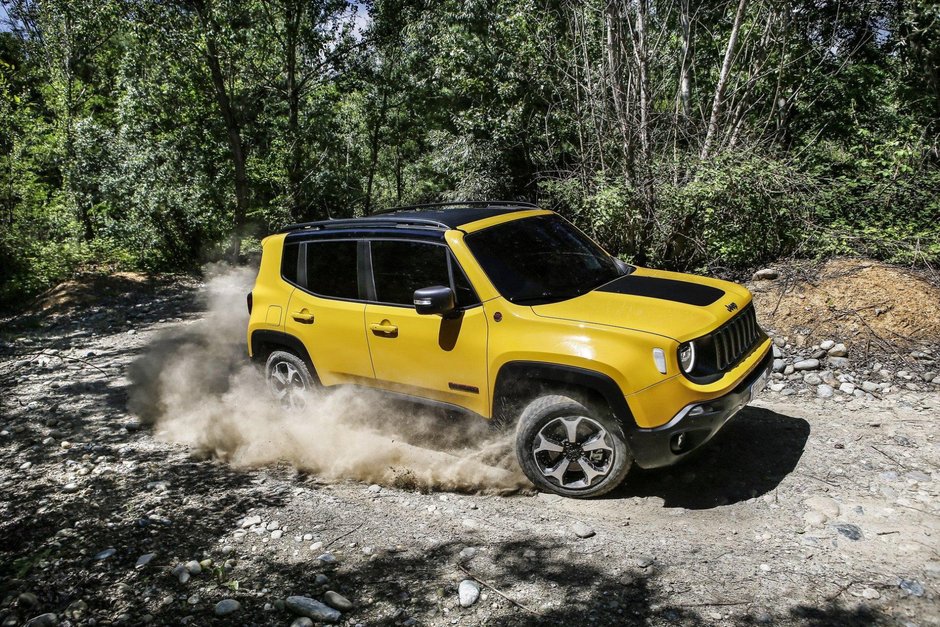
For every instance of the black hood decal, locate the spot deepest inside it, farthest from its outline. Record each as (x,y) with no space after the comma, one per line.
(665,289)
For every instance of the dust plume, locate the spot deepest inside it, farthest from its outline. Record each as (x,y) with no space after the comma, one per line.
(194,384)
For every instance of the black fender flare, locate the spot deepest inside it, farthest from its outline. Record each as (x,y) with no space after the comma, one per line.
(514,375)
(263,339)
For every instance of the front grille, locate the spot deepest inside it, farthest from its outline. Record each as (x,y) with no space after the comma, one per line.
(733,340)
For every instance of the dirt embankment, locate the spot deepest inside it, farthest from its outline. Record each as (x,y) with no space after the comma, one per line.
(875,309)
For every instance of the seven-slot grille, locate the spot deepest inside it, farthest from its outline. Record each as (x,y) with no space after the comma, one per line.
(736,337)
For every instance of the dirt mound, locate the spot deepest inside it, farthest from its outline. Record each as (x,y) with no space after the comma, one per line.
(90,290)
(870,306)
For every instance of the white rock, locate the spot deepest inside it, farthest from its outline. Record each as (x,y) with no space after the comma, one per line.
(468,592)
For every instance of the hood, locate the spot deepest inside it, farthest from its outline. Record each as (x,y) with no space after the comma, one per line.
(674,305)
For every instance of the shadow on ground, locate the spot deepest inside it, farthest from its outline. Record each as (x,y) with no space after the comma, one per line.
(754,452)
(393,587)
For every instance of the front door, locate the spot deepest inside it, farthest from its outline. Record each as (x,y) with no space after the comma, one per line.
(437,357)
(327,314)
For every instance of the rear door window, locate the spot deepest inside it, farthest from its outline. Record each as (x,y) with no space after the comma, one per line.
(331,269)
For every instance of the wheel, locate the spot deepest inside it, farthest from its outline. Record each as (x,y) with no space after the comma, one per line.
(288,379)
(568,448)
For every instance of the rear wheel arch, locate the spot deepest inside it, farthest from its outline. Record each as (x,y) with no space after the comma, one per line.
(264,342)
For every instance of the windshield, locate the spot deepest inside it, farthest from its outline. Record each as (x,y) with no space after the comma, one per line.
(542,259)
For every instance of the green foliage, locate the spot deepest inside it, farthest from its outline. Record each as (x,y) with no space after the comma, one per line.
(116,150)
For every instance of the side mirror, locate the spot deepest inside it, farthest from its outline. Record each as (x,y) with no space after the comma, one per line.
(434,300)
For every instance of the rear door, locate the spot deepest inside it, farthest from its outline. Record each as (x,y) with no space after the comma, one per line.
(327,311)
(436,357)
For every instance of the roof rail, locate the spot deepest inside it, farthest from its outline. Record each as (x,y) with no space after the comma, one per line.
(351,223)
(459,203)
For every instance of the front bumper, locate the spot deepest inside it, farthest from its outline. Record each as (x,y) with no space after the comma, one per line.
(696,423)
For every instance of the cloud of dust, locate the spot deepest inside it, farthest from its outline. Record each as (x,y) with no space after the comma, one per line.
(194,384)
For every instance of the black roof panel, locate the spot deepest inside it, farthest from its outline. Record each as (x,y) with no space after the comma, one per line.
(422,217)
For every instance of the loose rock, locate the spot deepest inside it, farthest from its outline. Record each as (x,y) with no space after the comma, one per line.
(582,530)
(313,609)
(468,592)
(226,607)
(335,599)
(806,364)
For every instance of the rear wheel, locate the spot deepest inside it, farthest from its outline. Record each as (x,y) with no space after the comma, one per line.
(288,379)
(571,449)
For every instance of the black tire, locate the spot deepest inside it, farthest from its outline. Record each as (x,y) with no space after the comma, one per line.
(289,380)
(549,416)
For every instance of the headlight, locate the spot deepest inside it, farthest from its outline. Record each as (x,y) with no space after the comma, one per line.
(687,356)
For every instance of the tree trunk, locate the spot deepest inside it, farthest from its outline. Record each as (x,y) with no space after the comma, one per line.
(374,151)
(292,19)
(722,82)
(233,133)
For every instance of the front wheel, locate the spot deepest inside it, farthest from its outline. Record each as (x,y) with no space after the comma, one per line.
(288,379)
(567,448)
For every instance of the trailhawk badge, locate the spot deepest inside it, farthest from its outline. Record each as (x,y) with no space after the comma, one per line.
(731,306)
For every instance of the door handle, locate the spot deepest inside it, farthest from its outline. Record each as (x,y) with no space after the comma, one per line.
(303,316)
(384,328)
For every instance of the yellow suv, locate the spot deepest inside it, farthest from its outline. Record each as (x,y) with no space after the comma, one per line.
(508,312)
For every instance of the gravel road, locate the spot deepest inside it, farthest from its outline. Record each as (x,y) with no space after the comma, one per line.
(803,511)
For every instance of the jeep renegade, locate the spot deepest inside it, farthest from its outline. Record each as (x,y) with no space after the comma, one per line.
(508,312)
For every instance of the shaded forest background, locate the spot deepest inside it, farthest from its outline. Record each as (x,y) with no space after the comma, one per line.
(156,135)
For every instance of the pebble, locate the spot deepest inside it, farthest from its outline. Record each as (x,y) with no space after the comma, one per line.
(824,391)
(276,534)
(43,620)
(226,607)
(193,567)
(335,599)
(815,519)
(327,558)
(839,363)
(305,606)
(826,344)
(806,364)
(811,378)
(643,561)
(144,559)
(27,600)
(779,365)
(468,592)
(829,507)
(70,488)
(839,350)
(303,621)
(766,274)
(913,588)
(582,530)
(103,555)
(847,388)
(850,531)
(871,594)
(375,488)
(870,387)
(271,526)
(251,521)
(466,554)
(26,465)
(320,579)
